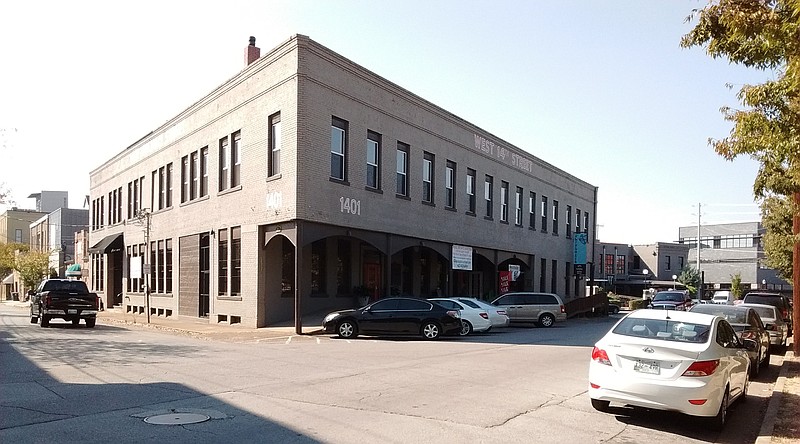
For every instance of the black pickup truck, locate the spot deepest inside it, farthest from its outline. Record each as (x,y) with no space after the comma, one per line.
(65,299)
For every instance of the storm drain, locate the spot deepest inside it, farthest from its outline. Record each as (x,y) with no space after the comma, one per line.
(176,418)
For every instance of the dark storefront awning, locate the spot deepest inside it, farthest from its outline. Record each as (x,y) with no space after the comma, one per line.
(108,244)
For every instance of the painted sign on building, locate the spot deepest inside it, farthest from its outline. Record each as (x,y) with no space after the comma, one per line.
(461,257)
(579,253)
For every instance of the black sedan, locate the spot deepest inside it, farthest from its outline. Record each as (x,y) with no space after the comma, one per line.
(394,316)
(747,324)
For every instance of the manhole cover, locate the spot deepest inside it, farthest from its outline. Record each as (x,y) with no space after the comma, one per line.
(177,419)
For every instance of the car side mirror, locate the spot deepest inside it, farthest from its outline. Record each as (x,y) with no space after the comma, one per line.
(750,345)
(31,292)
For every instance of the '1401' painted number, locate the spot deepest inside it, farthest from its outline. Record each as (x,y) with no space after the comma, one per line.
(351,206)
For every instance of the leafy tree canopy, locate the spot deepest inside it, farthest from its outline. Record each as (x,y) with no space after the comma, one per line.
(7,257)
(32,266)
(776,215)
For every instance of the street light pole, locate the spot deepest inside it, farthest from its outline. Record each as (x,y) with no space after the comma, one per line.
(143,217)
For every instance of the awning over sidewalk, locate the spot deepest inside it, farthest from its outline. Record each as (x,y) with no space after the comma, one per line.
(109,244)
(9,279)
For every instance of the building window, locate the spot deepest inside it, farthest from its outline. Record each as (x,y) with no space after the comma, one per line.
(274,167)
(620,264)
(680,262)
(338,149)
(577,220)
(153,270)
(669,262)
(222,262)
(608,264)
(18,235)
(449,184)
(585,222)
(236,159)
(168,267)
(487,195)
(471,190)
(236,261)
(134,199)
(318,259)
(402,169)
(162,188)
(555,217)
(518,207)
(287,274)
(168,188)
(554,277)
(532,210)
(567,275)
(194,166)
(373,160)
(503,201)
(204,171)
(568,220)
(224,164)
(427,177)
(542,274)
(544,214)
(184,179)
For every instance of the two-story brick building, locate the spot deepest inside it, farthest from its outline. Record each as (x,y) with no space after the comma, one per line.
(307,182)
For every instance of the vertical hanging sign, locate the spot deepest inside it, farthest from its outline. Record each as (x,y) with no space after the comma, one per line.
(579,253)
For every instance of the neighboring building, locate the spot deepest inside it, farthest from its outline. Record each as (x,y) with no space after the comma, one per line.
(728,249)
(629,269)
(15,228)
(49,201)
(55,233)
(82,257)
(306,182)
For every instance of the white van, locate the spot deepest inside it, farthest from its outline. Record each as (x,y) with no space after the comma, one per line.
(724,297)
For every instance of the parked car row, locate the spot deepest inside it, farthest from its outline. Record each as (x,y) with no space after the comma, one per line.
(432,318)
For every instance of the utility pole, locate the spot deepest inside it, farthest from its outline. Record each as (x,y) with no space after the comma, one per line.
(700,289)
(143,217)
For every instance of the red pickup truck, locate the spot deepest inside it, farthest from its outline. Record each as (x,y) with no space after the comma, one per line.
(65,299)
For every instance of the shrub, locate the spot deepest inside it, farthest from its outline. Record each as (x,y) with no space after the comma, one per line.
(637,304)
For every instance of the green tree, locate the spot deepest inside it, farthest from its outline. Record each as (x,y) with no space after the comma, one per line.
(32,267)
(776,215)
(690,277)
(7,257)
(763,34)
(736,285)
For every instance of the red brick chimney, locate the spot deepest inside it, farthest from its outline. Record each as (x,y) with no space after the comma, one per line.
(252,52)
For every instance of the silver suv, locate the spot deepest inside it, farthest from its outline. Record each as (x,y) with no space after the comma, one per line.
(544,309)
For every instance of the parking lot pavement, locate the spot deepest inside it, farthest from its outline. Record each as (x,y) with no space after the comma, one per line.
(780,424)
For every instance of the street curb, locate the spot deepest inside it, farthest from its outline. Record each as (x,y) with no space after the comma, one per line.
(770,416)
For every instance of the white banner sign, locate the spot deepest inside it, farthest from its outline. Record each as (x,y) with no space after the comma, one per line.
(462,257)
(136,267)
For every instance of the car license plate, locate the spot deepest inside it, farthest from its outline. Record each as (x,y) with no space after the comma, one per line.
(72,312)
(649,367)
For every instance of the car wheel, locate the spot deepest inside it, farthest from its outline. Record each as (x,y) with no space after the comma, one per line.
(547,320)
(765,362)
(466,328)
(431,330)
(755,368)
(718,422)
(76,321)
(34,318)
(601,406)
(45,320)
(90,322)
(347,329)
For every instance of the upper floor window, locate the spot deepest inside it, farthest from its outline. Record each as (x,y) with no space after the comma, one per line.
(518,207)
(449,184)
(668,262)
(134,197)
(224,164)
(338,149)
(274,166)
(532,210)
(487,195)
(555,217)
(204,171)
(544,214)
(373,160)
(577,220)
(236,159)
(230,159)
(402,169)
(504,201)
(471,190)
(568,220)
(585,221)
(194,187)
(427,177)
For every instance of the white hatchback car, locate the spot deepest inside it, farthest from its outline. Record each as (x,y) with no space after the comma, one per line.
(497,315)
(688,362)
(472,319)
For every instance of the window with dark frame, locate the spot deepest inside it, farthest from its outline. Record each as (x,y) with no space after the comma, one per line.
(568,221)
(544,214)
(427,177)
(338,149)
(532,210)
(518,207)
(554,277)
(487,195)
(184,179)
(344,268)
(503,201)
(402,169)
(471,190)
(224,164)
(449,184)
(204,171)
(236,159)
(555,217)
(274,166)
(222,262)
(236,261)
(318,273)
(194,164)
(373,160)
(543,274)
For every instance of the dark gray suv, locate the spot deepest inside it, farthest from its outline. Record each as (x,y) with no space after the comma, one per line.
(777,300)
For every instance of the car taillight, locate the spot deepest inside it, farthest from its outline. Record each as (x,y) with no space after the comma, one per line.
(748,335)
(702,368)
(770,327)
(563,309)
(485,315)
(501,312)
(600,355)
(454,313)
(47,300)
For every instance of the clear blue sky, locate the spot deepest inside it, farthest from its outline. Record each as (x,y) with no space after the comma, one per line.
(600,89)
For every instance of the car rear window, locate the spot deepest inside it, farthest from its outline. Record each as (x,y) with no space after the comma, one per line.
(764,312)
(469,303)
(663,330)
(759,299)
(665,296)
(68,286)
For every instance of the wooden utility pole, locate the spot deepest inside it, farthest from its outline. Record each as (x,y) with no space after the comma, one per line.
(796,274)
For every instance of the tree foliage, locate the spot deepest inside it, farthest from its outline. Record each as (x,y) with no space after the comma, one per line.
(736,285)
(763,34)
(32,267)
(777,241)
(7,257)
(690,277)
